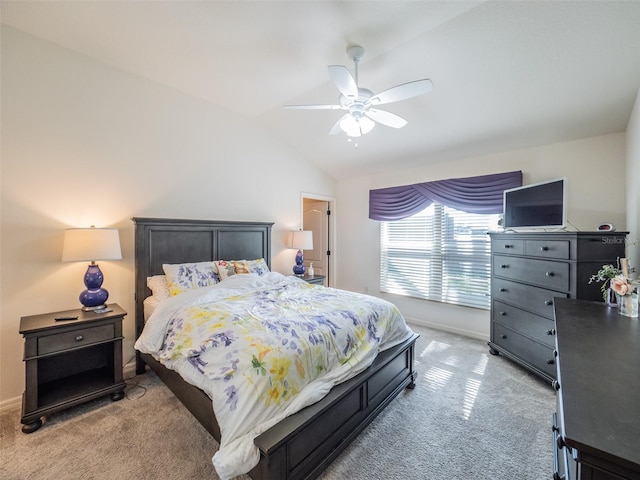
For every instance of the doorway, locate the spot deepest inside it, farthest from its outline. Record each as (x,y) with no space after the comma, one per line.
(318,216)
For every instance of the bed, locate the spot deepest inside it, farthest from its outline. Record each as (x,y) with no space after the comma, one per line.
(301,445)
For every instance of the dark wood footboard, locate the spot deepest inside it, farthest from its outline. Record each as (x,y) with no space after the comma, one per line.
(303,445)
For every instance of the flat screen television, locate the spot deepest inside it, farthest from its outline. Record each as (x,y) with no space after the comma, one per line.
(539,205)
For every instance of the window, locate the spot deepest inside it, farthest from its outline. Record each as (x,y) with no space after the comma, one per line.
(439,254)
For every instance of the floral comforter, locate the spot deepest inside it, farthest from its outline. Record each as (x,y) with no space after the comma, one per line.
(264,348)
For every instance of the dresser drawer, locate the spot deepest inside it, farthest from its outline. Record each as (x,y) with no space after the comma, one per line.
(529,351)
(547,248)
(508,246)
(76,338)
(526,323)
(533,299)
(544,273)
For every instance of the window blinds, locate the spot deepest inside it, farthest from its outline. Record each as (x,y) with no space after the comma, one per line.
(439,254)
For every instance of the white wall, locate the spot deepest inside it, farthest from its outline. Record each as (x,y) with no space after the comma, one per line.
(84,143)
(633,183)
(596,193)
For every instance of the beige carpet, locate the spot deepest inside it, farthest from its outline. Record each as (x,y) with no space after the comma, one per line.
(471,416)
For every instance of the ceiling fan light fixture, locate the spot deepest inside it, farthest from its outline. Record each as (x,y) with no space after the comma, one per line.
(366,125)
(350,126)
(355,127)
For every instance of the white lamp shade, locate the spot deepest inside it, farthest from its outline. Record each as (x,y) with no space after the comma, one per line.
(302,240)
(89,244)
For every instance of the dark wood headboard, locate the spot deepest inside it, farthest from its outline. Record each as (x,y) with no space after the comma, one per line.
(165,240)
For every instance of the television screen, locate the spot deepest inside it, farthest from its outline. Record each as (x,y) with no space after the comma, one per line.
(539,205)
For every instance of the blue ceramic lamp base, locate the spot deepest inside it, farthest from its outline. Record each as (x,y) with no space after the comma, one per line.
(299,268)
(94,296)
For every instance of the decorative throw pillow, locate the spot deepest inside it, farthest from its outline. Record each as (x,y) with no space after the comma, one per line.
(258,266)
(159,287)
(241,266)
(187,276)
(225,268)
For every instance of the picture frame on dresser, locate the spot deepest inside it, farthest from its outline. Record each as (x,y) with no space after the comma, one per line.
(528,271)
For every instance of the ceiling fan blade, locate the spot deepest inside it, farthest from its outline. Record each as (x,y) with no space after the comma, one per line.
(402,92)
(314,107)
(343,80)
(336,128)
(386,118)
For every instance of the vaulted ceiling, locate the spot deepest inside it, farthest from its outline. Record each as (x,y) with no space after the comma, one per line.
(506,75)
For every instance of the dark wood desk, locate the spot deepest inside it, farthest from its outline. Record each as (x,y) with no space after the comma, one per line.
(598,417)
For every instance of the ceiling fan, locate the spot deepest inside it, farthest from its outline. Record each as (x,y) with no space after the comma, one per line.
(360,103)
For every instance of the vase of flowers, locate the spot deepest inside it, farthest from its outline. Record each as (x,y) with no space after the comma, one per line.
(616,279)
(627,296)
(606,274)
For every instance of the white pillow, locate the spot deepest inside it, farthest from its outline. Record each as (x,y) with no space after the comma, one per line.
(187,276)
(159,286)
(258,266)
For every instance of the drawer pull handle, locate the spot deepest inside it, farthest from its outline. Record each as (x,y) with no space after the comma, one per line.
(548,302)
(503,336)
(551,332)
(555,385)
(549,274)
(504,265)
(503,313)
(502,289)
(544,249)
(551,361)
(79,338)
(506,245)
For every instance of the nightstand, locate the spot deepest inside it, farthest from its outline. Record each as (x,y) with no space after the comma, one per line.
(315,280)
(69,362)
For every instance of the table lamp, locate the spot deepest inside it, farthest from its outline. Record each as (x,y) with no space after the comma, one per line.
(301,240)
(91,244)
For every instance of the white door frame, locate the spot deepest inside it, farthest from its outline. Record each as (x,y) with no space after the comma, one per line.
(332,263)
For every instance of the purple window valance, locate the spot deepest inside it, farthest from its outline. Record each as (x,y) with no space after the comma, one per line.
(482,194)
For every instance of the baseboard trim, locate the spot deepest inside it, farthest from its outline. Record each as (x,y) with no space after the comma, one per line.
(129,370)
(10,404)
(457,331)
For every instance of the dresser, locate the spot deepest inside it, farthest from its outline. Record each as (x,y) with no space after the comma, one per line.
(528,272)
(597,422)
(70,357)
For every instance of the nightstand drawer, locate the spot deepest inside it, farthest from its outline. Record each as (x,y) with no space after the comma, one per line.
(76,338)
